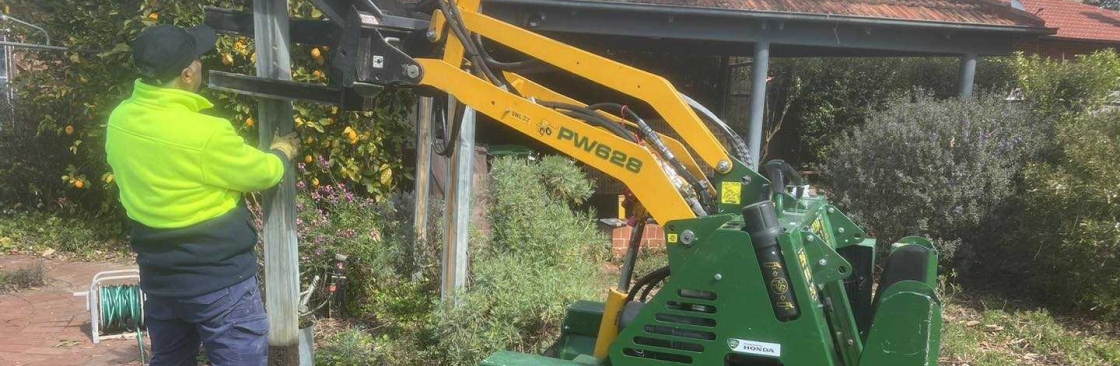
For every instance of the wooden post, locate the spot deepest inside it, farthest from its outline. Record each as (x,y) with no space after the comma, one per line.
(270,26)
(454,270)
(422,194)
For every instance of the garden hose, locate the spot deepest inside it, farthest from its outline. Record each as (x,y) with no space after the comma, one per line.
(119,304)
(122,310)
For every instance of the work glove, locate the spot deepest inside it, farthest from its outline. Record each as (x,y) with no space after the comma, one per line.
(287,144)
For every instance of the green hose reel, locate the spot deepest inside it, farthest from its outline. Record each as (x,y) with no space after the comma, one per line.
(116,310)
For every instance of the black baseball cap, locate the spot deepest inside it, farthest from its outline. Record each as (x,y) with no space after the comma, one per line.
(163,51)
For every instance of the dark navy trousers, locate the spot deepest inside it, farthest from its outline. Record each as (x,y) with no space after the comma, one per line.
(230,323)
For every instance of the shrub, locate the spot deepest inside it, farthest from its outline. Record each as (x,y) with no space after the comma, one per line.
(933,168)
(1061,89)
(542,257)
(827,97)
(1070,242)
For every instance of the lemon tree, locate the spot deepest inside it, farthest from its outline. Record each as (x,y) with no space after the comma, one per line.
(69,95)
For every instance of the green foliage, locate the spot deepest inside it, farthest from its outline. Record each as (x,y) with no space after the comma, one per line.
(531,201)
(1070,233)
(28,172)
(351,347)
(65,99)
(541,258)
(39,231)
(823,98)
(933,168)
(1061,89)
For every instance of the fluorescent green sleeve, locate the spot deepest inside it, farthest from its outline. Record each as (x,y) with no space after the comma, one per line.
(227,161)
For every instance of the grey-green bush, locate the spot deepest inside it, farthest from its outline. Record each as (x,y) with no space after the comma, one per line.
(933,168)
(543,255)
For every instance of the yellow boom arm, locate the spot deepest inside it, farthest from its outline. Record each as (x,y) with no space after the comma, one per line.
(629,162)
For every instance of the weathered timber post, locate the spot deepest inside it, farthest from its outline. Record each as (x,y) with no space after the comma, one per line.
(454,270)
(422,191)
(270,27)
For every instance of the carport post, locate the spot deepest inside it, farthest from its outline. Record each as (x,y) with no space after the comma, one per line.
(968,74)
(759,67)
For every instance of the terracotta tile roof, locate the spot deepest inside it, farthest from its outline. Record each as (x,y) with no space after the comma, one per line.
(1075,20)
(984,12)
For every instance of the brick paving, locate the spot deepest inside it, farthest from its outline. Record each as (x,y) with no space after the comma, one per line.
(50,326)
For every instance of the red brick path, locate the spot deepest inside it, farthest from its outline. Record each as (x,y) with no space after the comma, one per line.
(50,326)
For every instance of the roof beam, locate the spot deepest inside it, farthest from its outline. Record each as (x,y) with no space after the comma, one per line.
(722,26)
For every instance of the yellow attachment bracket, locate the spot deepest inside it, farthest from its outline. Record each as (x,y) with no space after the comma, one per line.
(653,89)
(608,327)
(624,160)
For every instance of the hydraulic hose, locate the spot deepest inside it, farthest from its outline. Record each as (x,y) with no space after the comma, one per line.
(654,139)
(737,143)
(650,279)
(591,117)
(509,66)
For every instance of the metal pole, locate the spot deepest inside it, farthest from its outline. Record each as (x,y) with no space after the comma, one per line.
(968,74)
(33,46)
(270,26)
(454,273)
(724,85)
(759,67)
(40,29)
(423,177)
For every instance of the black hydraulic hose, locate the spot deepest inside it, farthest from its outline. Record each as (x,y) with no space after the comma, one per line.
(598,121)
(510,66)
(649,279)
(590,116)
(650,135)
(650,287)
(439,107)
(454,22)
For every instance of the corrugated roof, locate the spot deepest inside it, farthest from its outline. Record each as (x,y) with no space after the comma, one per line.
(1075,20)
(983,12)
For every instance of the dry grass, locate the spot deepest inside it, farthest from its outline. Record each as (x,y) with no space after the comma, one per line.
(34,275)
(987,330)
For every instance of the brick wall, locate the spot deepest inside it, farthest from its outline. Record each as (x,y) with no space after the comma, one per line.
(652,238)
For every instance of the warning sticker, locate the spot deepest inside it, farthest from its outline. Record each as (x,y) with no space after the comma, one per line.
(754,348)
(731,193)
(672,238)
